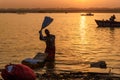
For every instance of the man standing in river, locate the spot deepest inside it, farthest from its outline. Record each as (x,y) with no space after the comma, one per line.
(49,39)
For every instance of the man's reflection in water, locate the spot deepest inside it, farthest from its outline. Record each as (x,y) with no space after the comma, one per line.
(50,67)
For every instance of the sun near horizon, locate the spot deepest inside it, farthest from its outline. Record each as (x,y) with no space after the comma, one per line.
(59,3)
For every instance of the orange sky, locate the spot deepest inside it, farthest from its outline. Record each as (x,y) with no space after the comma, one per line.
(58,3)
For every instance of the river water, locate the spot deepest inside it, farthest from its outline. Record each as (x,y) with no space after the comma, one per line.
(78,39)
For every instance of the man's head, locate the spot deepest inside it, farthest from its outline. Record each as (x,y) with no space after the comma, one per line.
(47,32)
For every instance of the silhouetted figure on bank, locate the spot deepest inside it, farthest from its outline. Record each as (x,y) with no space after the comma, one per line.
(49,39)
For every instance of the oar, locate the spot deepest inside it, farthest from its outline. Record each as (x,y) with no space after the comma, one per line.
(47,20)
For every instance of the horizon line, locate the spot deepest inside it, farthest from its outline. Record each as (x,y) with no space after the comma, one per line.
(68,8)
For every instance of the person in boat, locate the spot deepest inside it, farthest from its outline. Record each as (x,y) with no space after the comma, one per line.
(112,18)
(49,39)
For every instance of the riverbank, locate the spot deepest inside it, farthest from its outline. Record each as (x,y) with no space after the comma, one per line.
(60,10)
(92,74)
(77,75)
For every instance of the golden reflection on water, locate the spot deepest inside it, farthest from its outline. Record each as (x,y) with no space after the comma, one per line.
(83,29)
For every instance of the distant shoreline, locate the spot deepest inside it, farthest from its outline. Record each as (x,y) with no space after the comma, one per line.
(61,10)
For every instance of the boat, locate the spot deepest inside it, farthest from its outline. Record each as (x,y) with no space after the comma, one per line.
(108,23)
(87,14)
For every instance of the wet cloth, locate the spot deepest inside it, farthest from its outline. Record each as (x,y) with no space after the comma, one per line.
(17,72)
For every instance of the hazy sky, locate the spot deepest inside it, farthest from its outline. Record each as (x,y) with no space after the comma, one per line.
(58,3)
